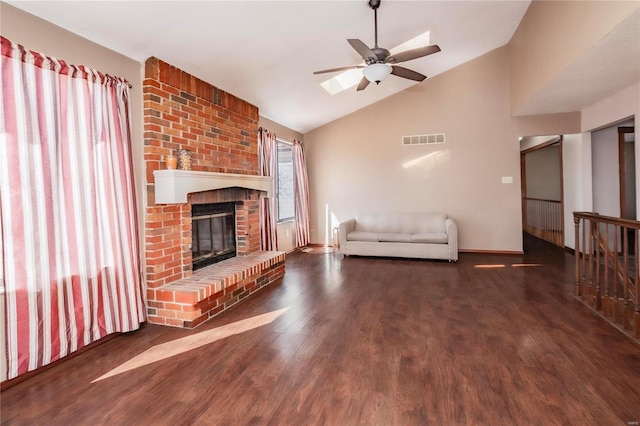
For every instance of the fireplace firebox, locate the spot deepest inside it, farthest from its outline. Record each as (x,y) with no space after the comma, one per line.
(213,233)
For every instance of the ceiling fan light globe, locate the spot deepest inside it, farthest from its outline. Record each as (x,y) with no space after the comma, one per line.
(376,72)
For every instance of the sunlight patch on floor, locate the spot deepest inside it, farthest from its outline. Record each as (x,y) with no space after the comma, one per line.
(185,344)
(513,265)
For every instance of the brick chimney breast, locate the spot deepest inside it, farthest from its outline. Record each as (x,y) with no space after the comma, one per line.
(221,131)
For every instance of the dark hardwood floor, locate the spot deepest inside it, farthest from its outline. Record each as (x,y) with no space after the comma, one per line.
(493,339)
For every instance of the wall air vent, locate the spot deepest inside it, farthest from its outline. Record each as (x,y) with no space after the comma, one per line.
(423,139)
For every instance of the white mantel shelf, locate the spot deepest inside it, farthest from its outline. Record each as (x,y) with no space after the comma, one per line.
(173,186)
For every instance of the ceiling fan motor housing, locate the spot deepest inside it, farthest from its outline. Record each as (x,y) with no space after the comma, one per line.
(381,54)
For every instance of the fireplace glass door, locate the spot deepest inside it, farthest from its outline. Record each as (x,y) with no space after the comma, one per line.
(213,233)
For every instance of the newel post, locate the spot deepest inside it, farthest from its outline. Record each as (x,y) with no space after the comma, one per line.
(576,223)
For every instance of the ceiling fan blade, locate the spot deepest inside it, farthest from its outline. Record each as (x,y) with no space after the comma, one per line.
(339,69)
(408,55)
(363,84)
(407,73)
(362,48)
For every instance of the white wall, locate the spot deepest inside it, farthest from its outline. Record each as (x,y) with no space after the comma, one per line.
(573,182)
(606,182)
(616,108)
(286,236)
(630,182)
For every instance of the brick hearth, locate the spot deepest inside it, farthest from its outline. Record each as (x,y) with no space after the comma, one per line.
(210,290)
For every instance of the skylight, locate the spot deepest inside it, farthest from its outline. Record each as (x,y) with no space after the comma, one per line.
(350,78)
(342,81)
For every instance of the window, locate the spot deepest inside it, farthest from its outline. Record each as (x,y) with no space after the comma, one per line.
(285,182)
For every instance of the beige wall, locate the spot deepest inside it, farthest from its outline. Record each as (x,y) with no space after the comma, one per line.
(533,141)
(280,130)
(616,108)
(48,39)
(358,164)
(552,35)
(546,124)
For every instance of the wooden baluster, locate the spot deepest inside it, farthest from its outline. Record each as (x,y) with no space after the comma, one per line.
(607,260)
(628,311)
(550,222)
(545,218)
(586,232)
(621,300)
(591,283)
(586,229)
(537,225)
(545,207)
(636,300)
(554,223)
(560,225)
(578,258)
(598,284)
(615,256)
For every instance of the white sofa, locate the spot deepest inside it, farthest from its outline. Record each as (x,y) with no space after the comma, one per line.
(415,235)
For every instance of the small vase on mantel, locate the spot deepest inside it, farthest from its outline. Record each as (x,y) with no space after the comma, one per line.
(171,161)
(184,159)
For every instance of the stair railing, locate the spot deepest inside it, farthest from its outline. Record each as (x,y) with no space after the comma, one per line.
(607,267)
(543,218)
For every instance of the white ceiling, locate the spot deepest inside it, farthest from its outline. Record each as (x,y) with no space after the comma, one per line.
(265,52)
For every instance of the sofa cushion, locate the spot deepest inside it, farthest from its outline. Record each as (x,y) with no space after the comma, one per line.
(362,236)
(401,223)
(391,237)
(431,237)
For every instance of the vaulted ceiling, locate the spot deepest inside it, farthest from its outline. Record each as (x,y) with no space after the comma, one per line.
(265,52)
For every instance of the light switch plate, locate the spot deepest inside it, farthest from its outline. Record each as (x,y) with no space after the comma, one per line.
(507,179)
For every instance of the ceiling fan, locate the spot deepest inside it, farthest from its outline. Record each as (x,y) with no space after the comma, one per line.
(379,61)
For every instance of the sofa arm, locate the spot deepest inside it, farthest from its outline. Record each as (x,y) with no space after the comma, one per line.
(452,235)
(344,229)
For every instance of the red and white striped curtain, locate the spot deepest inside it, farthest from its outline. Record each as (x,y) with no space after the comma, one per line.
(70,265)
(267,159)
(301,194)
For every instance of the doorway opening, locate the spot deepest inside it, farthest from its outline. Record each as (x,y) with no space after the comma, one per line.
(542,189)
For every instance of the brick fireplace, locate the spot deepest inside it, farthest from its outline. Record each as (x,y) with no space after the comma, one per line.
(184,112)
